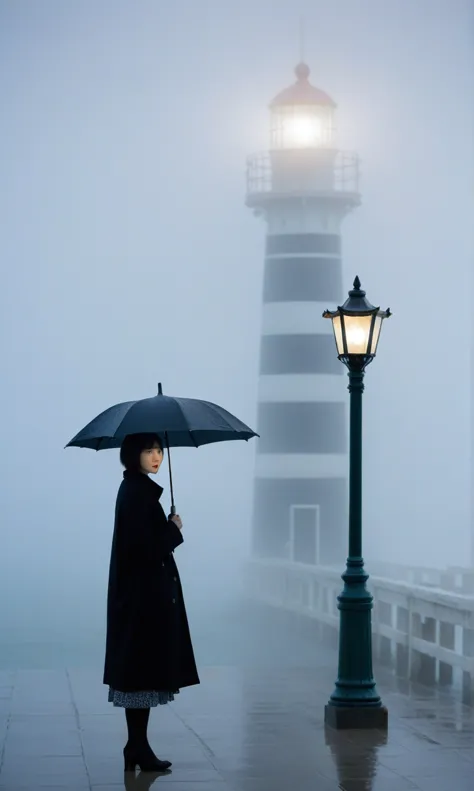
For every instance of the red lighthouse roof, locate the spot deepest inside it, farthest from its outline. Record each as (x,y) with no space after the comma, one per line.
(302,92)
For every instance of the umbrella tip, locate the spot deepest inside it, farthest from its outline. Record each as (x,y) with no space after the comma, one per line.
(160,389)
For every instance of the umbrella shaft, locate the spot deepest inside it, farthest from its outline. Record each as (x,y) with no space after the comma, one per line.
(173,507)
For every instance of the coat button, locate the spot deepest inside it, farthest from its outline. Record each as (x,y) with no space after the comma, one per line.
(175,579)
(162,562)
(174,601)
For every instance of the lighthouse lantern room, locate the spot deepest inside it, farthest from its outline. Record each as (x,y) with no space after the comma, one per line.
(301,116)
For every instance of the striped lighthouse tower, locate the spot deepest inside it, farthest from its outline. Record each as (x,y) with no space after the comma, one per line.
(303,187)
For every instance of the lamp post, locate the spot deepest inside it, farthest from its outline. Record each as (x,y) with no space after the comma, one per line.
(355,702)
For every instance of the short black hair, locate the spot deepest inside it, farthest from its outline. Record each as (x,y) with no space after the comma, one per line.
(133,445)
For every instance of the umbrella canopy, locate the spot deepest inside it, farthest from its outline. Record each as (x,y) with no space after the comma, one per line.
(179,422)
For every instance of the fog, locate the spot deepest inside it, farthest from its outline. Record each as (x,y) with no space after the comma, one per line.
(128,257)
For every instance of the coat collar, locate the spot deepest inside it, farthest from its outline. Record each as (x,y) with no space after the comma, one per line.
(145,481)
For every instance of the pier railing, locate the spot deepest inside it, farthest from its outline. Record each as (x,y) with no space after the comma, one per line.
(424,630)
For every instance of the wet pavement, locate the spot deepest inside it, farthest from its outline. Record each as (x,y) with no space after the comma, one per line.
(255,726)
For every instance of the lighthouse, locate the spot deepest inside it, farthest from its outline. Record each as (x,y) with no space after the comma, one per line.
(302,187)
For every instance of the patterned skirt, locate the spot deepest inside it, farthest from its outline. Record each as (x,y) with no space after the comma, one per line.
(141,700)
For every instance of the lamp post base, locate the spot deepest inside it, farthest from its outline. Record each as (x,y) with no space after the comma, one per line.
(355,702)
(360,717)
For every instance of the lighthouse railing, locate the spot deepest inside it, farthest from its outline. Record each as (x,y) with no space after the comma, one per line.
(345,167)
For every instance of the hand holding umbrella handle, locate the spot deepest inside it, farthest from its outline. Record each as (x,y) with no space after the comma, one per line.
(176,520)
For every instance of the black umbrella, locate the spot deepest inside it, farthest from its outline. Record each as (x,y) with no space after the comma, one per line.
(179,422)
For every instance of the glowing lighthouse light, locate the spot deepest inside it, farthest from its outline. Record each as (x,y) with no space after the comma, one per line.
(302,115)
(302,130)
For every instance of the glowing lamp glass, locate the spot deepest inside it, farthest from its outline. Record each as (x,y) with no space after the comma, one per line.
(358,334)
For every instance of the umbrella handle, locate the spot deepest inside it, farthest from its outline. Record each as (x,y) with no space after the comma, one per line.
(173,507)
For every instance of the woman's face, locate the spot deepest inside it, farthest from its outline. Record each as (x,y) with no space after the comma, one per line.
(150,459)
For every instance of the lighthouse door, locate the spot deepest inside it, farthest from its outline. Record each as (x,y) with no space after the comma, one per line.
(305,534)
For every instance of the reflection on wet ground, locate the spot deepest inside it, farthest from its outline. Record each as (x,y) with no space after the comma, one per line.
(250,726)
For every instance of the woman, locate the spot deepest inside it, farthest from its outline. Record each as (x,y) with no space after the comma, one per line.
(149,654)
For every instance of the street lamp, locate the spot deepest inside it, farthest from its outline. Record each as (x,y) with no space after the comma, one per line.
(355,702)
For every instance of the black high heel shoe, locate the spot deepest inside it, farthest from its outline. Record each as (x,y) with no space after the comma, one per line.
(145,759)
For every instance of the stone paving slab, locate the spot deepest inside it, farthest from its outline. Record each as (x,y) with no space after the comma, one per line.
(242,729)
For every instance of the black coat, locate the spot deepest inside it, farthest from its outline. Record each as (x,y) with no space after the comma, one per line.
(148,644)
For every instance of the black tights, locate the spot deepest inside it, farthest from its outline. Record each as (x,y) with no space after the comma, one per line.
(137,724)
